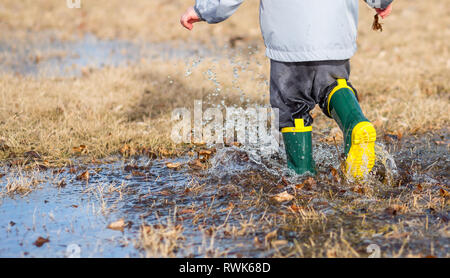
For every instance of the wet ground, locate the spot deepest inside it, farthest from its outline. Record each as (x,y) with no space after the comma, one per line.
(228,209)
(223,201)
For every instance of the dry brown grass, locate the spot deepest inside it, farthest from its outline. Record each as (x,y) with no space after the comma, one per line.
(103,110)
(20,184)
(402,76)
(155,20)
(161,240)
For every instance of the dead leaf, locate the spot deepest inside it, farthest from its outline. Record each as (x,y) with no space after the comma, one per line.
(283,196)
(376,25)
(84,176)
(32,155)
(138,174)
(444,193)
(210,231)
(172,165)
(391,138)
(130,168)
(127,150)
(124,149)
(72,170)
(80,149)
(236,144)
(335,175)
(197,165)
(230,206)
(307,184)
(184,211)
(294,208)
(41,241)
(205,152)
(199,144)
(118,225)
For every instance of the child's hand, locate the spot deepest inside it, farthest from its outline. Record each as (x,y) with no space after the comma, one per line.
(189,18)
(384,13)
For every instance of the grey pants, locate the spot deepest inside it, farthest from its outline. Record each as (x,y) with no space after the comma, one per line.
(296,87)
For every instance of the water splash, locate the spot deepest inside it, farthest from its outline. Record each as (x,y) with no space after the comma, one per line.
(191,67)
(387,163)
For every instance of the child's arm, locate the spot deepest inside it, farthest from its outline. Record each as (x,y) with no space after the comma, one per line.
(384,12)
(211,11)
(189,17)
(382,7)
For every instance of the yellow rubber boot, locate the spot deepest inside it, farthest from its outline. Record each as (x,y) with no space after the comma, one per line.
(359,132)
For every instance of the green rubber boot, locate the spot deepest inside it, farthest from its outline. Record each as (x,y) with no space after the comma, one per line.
(298,144)
(359,133)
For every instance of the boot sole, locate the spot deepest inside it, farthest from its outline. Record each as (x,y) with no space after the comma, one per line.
(361,157)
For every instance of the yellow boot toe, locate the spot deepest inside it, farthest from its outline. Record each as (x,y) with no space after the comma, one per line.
(361,157)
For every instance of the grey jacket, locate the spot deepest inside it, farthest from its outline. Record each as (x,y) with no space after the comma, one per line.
(299,30)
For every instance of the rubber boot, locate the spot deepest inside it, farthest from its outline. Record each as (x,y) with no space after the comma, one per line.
(298,144)
(359,133)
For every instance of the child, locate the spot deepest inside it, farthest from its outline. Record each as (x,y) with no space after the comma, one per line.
(309,43)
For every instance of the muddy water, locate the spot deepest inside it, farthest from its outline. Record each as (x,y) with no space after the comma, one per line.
(225,210)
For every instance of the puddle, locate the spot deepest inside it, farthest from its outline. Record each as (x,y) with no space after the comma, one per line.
(79,212)
(44,55)
(228,209)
